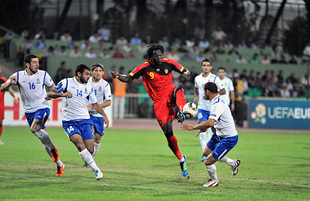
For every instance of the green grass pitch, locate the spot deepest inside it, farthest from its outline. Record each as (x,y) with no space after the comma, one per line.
(138,165)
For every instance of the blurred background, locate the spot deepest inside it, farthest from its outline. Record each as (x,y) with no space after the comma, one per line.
(263,44)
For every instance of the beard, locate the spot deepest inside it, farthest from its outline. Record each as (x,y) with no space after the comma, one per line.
(83,80)
(206,97)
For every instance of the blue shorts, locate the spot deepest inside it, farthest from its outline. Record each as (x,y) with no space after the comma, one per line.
(82,127)
(98,124)
(221,146)
(203,115)
(41,114)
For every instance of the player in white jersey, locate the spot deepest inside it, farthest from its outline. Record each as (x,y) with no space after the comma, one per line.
(203,104)
(103,95)
(229,96)
(31,83)
(224,138)
(77,93)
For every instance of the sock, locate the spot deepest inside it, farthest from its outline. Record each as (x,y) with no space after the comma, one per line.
(180,100)
(173,144)
(209,134)
(1,129)
(48,151)
(96,148)
(45,139)
(211,171)
(87,157)
(59,163)
(203,140)
(227,160)
(181,160)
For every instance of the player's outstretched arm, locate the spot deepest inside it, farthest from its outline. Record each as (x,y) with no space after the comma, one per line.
(13,95)
(6,86)
(123,78)
(99,109)
(204,125)
(55,94)
(186,73)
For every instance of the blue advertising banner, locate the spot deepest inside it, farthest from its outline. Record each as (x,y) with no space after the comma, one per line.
(279,114)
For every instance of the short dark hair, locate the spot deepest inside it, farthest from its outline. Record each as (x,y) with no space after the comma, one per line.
(81,68)
(29,57)
(207,60)
(211,86)
(97,65)
(221,68)
(152,48)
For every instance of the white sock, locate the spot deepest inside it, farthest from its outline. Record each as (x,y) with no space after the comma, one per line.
(48,151)
(96,148)
(181,160)
(227,160)
(209,134)
(59,163)
(203,140)
(45,139)
(87,157)
(211,171)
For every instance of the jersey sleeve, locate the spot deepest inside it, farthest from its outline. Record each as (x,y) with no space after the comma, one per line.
(48,80)
(107,92)
(196,83)
(231,85)
(62,85)
(9,80)
(138,71)
(219,83)
(216,111)
(177,67)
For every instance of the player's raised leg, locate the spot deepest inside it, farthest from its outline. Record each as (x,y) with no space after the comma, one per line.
(179,99)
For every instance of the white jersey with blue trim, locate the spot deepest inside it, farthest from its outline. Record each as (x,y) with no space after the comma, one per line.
(228,85)
(102,92)
(200,82)
(32,89)
(75,108)
(224,122)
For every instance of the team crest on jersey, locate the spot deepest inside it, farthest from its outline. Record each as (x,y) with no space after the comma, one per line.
(157,70)
(85,92)
(38,81)
(100,89)
(166,71)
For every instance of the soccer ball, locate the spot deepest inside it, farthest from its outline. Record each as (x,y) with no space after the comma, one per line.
(190,110)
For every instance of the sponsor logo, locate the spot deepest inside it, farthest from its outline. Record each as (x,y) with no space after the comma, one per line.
(259,115)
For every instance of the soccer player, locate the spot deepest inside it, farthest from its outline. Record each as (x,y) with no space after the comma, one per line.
(225,137)
(76,94)
(203,104)
(31,83)
(229,88)
(102,91)
(3,80)
(157,78)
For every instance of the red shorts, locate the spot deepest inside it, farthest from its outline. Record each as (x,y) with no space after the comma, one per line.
(164,109)
(1,113)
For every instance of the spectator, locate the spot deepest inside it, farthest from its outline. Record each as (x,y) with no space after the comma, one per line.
(265,60)
(219,35)
(293,60)
(41,34)
(241,60)
(182,48)
(48,52)
(191,42)
(105,32)
(215,57)
(86,45)
(61,72)
(255,45)
(274,53)
(251,79)
(280,77)
(55,35)
(199,32)
(164,41)
(195,49)
(200,57)
(142,47)
(100,45)
(118,54)
(204,43)
(282,60)
(209,50)
(293,78)
(66,37)
(220,50)
(187,57)
(269,92)
(131,54)
(229,45)
(254,59)
(242,45)
(75,52)
(148,39)
(233,51)
(119,96)
(62,52)
(136,40)
(177,42)
(304,79)
(121,40)
(25,34)
(41,43)
(113,47)
(95,38)
(144,110)
(91,54)
(127,48)
(173,55)
(105,54)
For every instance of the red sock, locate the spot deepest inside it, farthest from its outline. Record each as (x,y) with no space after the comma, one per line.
(180,100)
(173,144)
(1,128)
